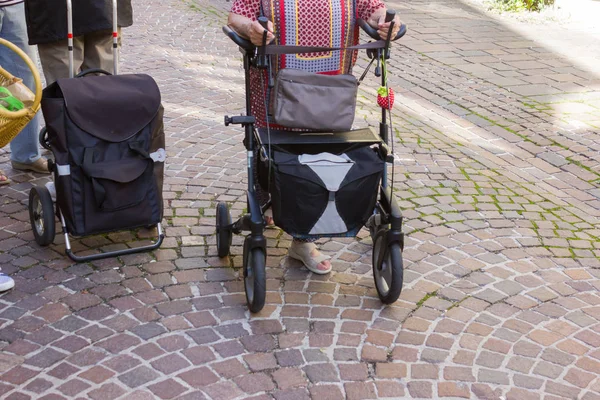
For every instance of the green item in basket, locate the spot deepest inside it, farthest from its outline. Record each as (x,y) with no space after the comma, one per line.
(8,101)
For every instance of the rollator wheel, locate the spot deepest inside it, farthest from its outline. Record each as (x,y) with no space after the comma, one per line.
(41,215)
(255,279)
(224,234)
(389,273)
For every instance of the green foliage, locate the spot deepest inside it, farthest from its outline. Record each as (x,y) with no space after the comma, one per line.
(521,5)
(508,5)
(536,5)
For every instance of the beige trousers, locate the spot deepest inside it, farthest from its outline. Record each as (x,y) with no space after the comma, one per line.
(92,50)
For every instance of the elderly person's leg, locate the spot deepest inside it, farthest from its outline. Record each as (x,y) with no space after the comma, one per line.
(25,152)
(98,51)
(55,58)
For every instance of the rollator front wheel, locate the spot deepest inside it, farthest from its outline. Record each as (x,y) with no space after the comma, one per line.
(255,279)
(41,215)
(388,270)
(224,234)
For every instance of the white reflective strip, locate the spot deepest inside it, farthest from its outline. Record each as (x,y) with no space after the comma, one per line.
(332,169)
(330,222)
(52,190)
(159,155)
(323,158)
(63,169)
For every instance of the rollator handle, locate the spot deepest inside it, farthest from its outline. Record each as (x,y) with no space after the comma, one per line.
(389,15)
(239,120)
(246,45)
(372,32)
(264,22)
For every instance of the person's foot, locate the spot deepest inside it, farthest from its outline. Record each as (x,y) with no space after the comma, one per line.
(6,282)
(310,256)
(268,215)
(40,166)
(3,179)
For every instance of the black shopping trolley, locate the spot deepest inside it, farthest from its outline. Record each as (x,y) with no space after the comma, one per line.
(106,134)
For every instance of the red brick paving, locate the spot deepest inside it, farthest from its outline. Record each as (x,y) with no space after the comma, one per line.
(497,172)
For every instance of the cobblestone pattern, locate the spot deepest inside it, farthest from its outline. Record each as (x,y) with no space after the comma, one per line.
(497,171)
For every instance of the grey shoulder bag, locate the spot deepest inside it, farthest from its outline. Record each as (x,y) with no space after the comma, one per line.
(313,101)
(307,100)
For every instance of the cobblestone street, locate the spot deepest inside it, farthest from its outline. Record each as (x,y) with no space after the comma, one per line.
(497,171)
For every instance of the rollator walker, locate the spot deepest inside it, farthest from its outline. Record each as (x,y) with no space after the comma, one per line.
(288,160)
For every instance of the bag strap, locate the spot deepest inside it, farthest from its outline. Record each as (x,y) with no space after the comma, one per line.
(87,167)
(279,49)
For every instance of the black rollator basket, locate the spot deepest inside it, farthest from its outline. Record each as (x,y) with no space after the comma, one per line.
(321,186)
(106,134)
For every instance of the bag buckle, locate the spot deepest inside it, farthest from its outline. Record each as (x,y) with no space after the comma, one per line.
(262,153)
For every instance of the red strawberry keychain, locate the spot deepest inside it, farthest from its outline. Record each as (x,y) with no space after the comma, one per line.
(385,97)
(385,94)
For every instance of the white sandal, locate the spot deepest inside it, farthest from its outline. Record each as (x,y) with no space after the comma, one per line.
(303,252)
(268,216)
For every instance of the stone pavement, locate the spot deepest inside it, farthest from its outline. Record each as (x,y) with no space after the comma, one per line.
(497,142)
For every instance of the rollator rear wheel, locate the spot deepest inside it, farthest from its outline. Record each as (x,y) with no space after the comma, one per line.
(255,280)
(41,215)
(389,273)
(224,234)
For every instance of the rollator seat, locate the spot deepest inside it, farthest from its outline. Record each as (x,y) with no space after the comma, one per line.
(366,136)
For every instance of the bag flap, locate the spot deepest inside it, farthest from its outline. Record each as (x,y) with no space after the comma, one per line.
(112,108)
(288,164)
(366,162)
(122,171)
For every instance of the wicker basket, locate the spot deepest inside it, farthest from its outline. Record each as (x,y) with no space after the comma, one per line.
(12,122)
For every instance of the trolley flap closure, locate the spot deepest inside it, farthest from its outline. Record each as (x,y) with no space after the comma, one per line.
(112,108)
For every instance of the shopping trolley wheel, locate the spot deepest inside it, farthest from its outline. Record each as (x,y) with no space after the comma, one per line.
(389,271)
(224,233)
(255,279)
(41,215)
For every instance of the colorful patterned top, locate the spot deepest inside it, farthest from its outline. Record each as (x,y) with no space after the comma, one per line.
(327,23)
